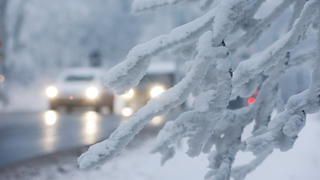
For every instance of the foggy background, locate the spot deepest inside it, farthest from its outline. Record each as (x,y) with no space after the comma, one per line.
(41,38)
(44,36)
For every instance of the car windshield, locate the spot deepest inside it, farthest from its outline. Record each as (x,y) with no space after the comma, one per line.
(165,79)
(79,78)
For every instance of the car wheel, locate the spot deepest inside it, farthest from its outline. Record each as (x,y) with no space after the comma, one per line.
(53,107)
(97,108)
(69,109)
(111,110)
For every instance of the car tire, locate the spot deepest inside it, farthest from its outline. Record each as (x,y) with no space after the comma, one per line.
(97,108)
(111,110)
(69,109)
(53,107)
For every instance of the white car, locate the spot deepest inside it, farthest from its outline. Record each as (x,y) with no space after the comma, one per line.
(80,87)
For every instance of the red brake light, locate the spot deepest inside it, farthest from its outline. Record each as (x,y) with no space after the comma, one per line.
(251,100)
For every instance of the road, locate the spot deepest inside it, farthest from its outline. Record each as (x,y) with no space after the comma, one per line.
(27,135)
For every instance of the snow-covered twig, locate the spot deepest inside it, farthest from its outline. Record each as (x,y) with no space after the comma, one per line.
(249,69)
(129,72)
(175,96)
(142,5)
(209,126)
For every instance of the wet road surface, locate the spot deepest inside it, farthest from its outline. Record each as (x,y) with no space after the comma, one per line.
(27,135)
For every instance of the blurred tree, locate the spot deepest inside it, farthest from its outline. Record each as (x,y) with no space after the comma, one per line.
(3,36)
(95,58)
(45,37)
(3,5)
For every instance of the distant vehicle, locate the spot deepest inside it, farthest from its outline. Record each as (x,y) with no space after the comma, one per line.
(159,78)
(80,87)
(4,100)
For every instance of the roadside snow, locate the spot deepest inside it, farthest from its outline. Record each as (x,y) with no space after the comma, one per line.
(25,99)
(301,162)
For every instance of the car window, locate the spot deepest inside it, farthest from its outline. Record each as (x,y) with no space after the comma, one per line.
(79,78)
(165,79)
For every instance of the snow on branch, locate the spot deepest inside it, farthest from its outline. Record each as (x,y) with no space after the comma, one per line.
(173,97)
(240,172)
(204,4)
(129,72)
(249,69)
(142,5)
(283,129)
(298,6)
(254,31)
(210,126)
(193,124)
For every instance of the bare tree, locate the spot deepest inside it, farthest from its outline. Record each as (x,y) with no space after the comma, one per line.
(3,35)
(210,127)
(3,38)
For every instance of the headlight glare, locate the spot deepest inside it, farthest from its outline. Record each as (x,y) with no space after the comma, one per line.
(50,117)
(156,91)
(51,91)
(92,93)
(128,94)
(126,111)
(156,121)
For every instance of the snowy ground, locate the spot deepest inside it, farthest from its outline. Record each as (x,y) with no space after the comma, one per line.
(25,99)
(302,162)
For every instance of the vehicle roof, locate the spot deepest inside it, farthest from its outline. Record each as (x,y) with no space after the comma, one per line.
(82,71)
(96,72)
(161,67)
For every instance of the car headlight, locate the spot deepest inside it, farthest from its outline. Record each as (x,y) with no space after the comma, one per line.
(92,93)
(156,91)
(51,91)
(128,94)
(156,121)
(126,111)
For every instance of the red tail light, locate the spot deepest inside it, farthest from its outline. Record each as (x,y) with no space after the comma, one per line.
(251,100)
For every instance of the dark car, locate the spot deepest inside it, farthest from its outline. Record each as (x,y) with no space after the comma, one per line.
(159,78)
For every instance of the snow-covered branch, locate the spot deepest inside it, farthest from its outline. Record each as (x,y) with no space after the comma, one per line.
(129,72)
(170,99)
(141,5)
(204,4)
(254,31)
(210,126)
(249,69)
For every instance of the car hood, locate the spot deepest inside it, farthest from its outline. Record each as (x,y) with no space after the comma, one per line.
(74,89)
